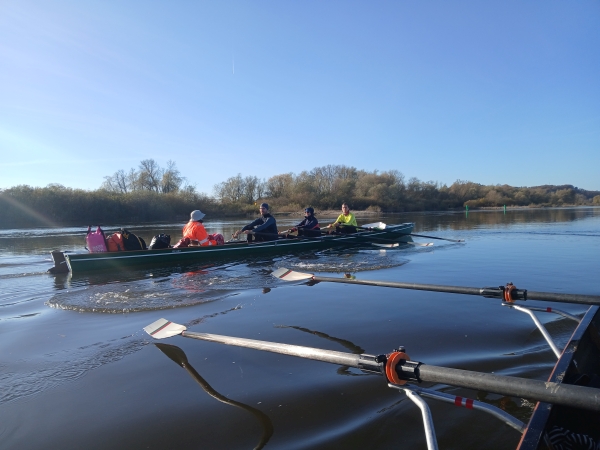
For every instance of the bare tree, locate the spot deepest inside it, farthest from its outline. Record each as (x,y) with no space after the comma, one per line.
(171,179)
(116,183)
(150,175)
(261,189)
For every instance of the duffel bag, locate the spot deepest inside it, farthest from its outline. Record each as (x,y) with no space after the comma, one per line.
(131,241)
(160,241)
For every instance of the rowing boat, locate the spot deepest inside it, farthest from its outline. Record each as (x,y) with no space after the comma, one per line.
(556,426)
(88,262)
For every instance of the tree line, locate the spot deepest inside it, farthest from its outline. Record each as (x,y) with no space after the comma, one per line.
(327,187)
(152,193)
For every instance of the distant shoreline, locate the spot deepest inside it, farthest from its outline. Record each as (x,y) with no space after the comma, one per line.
(334,213)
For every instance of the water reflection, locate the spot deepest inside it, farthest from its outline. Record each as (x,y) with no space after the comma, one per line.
(357,350)
(495,218)
(178,355)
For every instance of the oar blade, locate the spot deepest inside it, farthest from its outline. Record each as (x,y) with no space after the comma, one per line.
(397,244)
(163,328)
(420,244)
(290,275)
(378,225)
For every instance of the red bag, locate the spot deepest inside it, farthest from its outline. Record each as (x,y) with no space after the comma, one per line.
(183,242)
(218,238)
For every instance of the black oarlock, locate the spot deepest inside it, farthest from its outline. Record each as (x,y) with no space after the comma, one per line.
(409,370)
(372,364)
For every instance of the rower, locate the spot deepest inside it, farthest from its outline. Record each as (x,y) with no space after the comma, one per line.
(345,223)
(309,227)
(263,229)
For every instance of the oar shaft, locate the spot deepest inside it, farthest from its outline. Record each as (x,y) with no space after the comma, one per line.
(435,237)
(559,394)
(564,298)
(414,286)
(518,294)
(330,356)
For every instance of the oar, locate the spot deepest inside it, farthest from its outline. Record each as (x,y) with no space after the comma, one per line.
(388,242)
(397,244)
(398,368)
(180,358)
(434,237)
(508,293)
(367,226)
(370,226)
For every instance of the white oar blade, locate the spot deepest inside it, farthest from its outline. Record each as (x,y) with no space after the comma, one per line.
(419,244)
(164,328)
(397,244)
(290,275)
(378,225)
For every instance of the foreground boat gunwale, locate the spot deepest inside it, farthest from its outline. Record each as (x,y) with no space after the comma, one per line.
(538,425)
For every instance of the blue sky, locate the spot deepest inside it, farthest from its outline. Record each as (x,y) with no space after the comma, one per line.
(491,92)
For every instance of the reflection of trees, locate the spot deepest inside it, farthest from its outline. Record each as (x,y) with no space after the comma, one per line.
(494,218)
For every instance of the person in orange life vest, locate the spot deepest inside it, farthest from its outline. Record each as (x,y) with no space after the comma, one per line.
(195,231)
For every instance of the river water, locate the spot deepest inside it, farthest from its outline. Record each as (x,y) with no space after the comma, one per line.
(78,371)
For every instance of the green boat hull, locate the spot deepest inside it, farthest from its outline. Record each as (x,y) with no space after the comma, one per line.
(92,262)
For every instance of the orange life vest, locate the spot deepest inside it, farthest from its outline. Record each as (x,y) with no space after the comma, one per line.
(114,243)
(196,231)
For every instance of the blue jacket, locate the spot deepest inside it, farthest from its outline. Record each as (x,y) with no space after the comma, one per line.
(264,224)
(309,223)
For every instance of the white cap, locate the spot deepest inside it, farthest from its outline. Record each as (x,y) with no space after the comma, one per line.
(196,215)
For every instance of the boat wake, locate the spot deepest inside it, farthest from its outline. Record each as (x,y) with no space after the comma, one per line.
(349,261)
(163,289)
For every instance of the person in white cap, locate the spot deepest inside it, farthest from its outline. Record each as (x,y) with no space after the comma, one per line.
(194,230)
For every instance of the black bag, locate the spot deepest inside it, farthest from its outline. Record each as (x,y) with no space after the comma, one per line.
(131,241)
(160,241)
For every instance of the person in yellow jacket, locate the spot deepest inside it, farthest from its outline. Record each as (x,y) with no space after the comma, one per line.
(194,230)
(346,222)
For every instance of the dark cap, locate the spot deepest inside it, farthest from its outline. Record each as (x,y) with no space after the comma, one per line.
(264,205)
(309,210)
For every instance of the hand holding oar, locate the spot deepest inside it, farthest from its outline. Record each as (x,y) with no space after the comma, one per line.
(398,368)
(508,293)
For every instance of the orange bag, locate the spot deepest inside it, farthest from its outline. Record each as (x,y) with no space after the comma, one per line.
(114,242)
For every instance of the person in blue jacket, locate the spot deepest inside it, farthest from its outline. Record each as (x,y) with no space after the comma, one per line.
(263,229)
(309,227)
